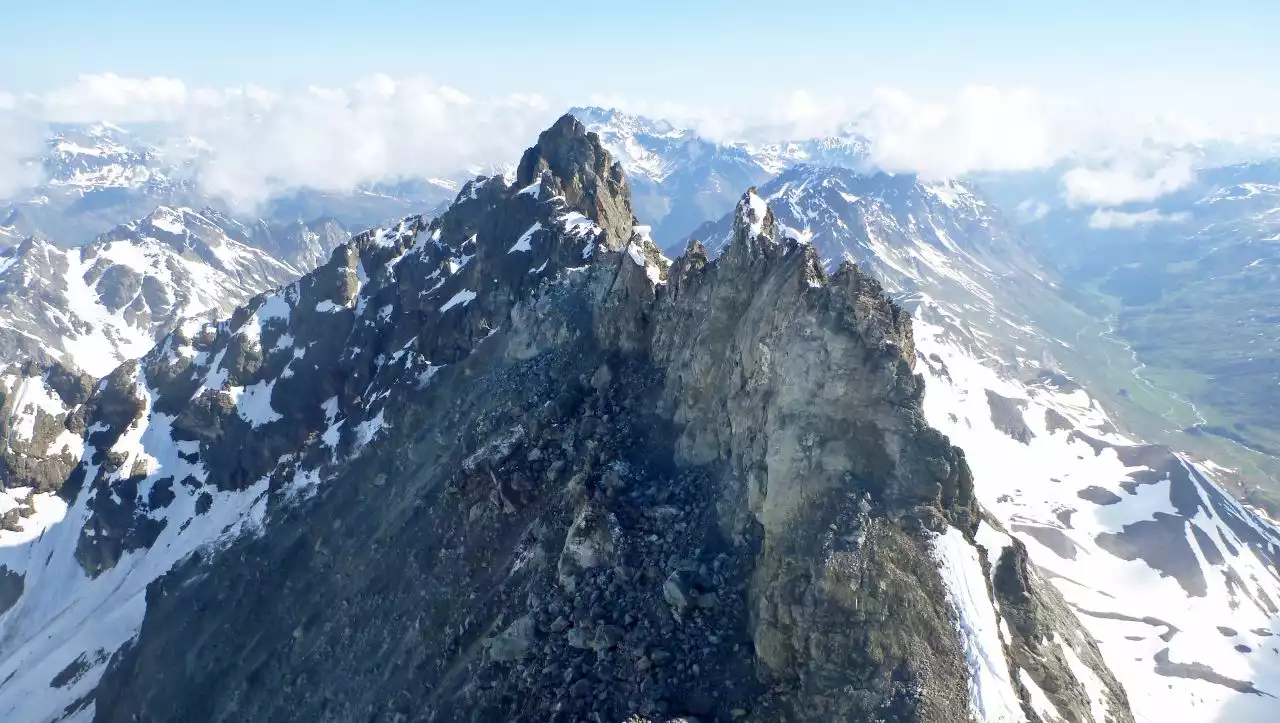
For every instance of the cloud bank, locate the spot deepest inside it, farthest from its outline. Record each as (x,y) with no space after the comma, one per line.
(337,139)
(1032,210)
(19,135)
(1128,179)
(979,129)
(267,142)
(1109,219)
(112,98)
(983,129)
(270,141)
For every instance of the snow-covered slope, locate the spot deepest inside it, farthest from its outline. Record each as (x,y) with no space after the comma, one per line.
(102,155)
(84,553)
(96,305)
(907,229)
(939,238)
(1178,582)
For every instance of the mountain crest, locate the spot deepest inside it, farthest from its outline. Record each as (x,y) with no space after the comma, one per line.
(721,467)
(753,220)
(29,245)
(573,163)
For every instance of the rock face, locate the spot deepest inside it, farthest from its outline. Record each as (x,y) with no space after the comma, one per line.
(42,424)
(513,464)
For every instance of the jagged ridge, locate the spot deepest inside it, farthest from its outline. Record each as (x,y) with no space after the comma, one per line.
(472,450)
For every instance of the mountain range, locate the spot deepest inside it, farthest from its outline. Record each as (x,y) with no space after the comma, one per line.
(95,177)
(94,306)
(851,455)
(637,466)
(681,180)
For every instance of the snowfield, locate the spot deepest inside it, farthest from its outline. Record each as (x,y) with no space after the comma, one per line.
(1175,579)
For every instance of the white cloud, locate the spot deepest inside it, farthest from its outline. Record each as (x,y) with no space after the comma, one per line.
(980,129)
(337,138)
(794,115)
(1128,178)
(1108,219)
(266,142)
(20,139)
(112,98)
(798,115)
(1032,210)
(983,129)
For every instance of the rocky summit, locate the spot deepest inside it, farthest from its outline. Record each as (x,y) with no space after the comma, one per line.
(513,464)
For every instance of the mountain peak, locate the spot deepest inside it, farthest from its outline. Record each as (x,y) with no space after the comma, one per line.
(32,243)
(753,219)
(575,165)
(594,114)
(104,128)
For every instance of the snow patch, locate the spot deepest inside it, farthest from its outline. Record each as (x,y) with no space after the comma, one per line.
(522,243)
(991,694)
(464,297)
(1088,679)
(253,404)
(1040,702)
(368,429)
(31,397)
(754,213)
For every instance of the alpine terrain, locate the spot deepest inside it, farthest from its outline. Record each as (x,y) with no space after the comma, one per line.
(95,177)
(1176,581)
(680,180)
(93,306)
(1198,263)
(512,463)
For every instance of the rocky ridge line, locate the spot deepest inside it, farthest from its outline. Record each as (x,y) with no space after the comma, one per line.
(509,464)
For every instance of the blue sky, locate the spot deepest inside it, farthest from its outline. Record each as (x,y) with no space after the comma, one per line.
(711,51)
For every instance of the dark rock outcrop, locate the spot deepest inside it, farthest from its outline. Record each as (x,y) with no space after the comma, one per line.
(1006,415)
(41,420)
(1042,628)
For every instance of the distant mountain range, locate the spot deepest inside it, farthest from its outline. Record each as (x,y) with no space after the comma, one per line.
(98,176)
(680,180)
(96,305)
